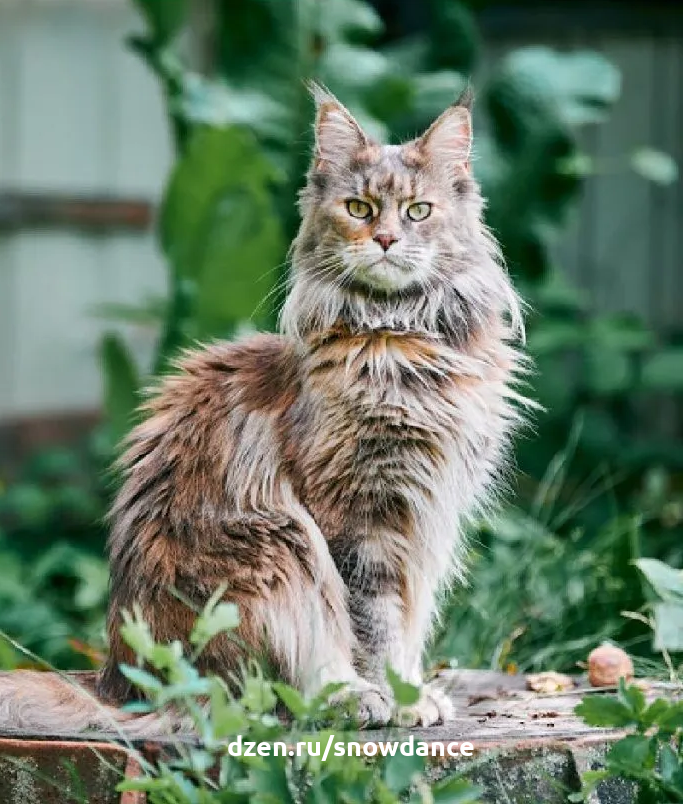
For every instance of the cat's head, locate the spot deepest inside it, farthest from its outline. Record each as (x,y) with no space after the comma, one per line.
(386,227)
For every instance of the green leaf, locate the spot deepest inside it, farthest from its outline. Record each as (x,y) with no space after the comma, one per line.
(668,627)
(590,780)
(669,763)
(328,691)
(400,770)
(601,710)
(665,580)
(577,87)
(432,93)
(654,711)
(227,716)
(218,104)
(258,695)
(141,678)
(242,250)
(663,371)
(292,699)
(621,332)
(671,720)
(93,584)
(164,17)
(218,620)
(654,165)
(633,753)
(608,371)
(353,18)
(136,634)
(556,336)
(219,230)
(138,707)
(121,385)
(213,164)
(557,294)
(352,68)
(632,697)
(455,791)
(405,694)
(184,690)
(270,784)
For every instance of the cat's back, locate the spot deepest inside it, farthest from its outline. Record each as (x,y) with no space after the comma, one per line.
(214,385)
(258,373)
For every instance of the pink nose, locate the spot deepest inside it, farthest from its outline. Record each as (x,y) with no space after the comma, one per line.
(385,240)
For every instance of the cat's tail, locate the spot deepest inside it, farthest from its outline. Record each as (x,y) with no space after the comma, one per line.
(35,703)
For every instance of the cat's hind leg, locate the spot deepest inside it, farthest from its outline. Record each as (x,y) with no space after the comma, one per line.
(279,572)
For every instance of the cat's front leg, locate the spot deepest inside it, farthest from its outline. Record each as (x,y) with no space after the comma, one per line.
(390,626)
(379,619)
(434,704)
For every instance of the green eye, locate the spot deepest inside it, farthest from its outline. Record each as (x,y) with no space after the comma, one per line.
(419,211)
(358,208)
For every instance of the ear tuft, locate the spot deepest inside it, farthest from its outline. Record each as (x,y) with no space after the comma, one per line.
(466,98)
(337,134)
(319,93)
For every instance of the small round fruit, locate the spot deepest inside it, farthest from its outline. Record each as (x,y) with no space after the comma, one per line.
(607,664)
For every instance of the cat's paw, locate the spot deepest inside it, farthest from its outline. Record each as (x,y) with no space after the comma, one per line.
(366,703)
(433,707)
(375,708)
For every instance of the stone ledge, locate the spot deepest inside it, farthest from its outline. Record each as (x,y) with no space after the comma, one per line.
(529,747)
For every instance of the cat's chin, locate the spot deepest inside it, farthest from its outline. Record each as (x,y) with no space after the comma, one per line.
(385,278)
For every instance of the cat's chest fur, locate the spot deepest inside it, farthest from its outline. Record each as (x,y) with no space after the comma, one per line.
(397,432)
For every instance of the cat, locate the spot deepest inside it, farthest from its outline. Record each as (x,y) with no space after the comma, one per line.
(327,474)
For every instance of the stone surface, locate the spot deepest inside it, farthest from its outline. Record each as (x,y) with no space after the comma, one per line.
(529,747)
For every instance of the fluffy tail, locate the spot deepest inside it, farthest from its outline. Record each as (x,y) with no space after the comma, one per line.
(49,703)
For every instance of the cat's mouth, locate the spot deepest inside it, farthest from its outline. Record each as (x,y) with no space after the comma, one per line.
(386,274)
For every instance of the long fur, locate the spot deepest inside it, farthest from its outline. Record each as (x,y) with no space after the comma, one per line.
(327,474)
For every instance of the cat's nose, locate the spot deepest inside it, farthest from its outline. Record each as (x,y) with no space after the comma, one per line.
(385,240)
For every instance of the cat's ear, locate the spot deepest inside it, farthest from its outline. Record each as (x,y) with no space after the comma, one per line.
(449,138)
(337,135)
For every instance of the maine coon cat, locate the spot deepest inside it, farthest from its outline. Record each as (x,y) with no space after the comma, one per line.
(326,474)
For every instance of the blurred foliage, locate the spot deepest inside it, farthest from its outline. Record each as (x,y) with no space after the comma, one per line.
(542,594)
(54,581)
(597,487)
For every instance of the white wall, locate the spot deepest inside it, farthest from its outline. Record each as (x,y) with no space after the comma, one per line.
(78,113)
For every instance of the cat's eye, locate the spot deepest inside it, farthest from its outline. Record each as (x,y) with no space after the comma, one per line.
(419,211)
(358,208)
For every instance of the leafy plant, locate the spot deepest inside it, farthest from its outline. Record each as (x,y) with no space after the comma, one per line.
(667,583)
(45,604)
(225,720)
(651,756)
(54,579)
